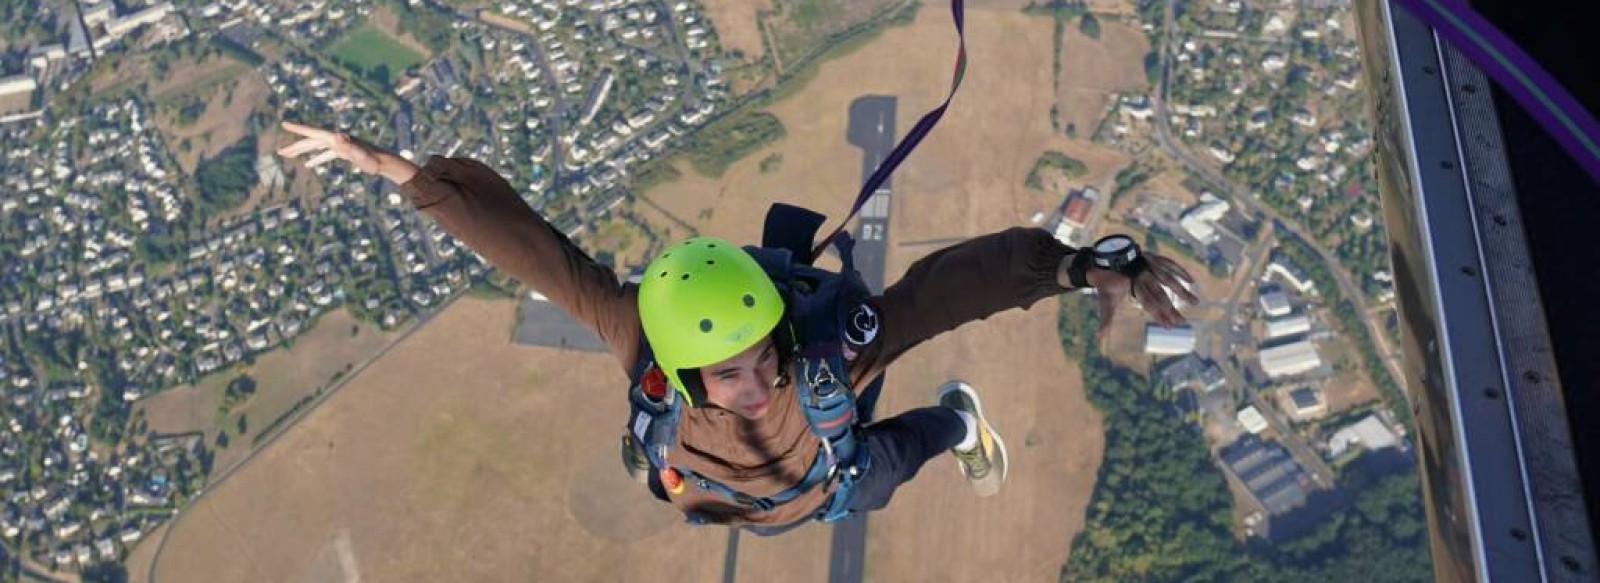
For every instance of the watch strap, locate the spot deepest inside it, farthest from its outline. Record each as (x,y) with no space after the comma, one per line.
(1078,269)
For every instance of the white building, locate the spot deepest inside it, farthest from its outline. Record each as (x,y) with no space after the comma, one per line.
(1369,433)
(18,85)
(1252,420)
(1274,302)
(1294,277)
(1177,340)
(1201,221)
(1281,327)
(119,26)
(1273,61)
(1290,359)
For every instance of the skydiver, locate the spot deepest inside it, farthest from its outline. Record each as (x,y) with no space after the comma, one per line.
(728,346)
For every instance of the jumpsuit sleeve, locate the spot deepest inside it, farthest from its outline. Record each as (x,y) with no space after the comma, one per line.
(476,205)
(962,283)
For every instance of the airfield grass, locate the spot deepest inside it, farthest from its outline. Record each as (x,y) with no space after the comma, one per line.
(1094,71)
(283,378)
(736,25)
(458,456)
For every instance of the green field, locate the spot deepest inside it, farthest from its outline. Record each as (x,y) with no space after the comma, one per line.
(373,54)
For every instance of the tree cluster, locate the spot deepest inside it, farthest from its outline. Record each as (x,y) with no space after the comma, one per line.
(1161,510)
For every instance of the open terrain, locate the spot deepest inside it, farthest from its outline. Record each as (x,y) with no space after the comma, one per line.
(1093,70)
(737,26)
(499,464)
(283,378)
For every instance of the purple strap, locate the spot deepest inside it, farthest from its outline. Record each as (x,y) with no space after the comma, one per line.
(1540,95)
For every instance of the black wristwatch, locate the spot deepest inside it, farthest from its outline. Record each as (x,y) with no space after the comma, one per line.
(1115,252)
(1120,254)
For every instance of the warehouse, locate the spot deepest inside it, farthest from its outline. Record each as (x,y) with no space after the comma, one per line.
(1164,341)
(1290,359)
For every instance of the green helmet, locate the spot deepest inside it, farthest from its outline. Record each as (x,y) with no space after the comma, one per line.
(703,301)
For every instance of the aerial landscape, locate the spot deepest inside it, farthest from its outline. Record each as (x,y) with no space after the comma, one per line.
(219,365)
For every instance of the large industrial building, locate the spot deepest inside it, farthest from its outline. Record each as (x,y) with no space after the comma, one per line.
(1289,359)
(1283,327)
(1200,222)
(1369,433)
(1268,472)
(1175,340)
(16,94)
(1192,372)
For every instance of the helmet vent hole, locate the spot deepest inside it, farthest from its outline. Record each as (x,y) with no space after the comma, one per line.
(749,301)
(711,262)
(705,325)
(663,274)
(711,245)
(685,277)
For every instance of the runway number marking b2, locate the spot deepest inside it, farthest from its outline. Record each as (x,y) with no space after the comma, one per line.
(871,232)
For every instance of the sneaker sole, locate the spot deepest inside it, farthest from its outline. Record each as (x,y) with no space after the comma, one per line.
(977,404)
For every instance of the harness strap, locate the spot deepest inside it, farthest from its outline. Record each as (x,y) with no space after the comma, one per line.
(914,137)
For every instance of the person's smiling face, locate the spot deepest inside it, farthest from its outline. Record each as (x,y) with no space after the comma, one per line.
(744,383)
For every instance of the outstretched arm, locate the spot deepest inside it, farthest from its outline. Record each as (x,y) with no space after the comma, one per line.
(996,272)
(476,205)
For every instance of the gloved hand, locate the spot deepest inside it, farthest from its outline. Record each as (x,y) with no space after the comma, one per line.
(1155,287)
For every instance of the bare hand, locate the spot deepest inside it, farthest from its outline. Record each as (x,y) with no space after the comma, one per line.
(330,146)
(1153,288)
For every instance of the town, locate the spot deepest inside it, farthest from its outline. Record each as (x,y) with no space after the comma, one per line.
(1257,108)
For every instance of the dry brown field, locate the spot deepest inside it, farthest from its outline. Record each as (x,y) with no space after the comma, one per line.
(219,127)
(736,24)
(282,378)
(1350,387)
(459,456)
(1092,70)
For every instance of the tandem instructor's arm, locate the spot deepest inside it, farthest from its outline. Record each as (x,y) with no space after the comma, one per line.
(992,273)
(476,205)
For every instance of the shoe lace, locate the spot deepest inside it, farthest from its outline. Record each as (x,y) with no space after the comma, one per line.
(977,464)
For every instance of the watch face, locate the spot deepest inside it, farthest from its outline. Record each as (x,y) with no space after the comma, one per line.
(1113,244)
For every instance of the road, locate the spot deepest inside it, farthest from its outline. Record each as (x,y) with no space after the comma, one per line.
(1255,260)
(1307,456)
(1236,193)
(872,129)
(553,119)
(690,66)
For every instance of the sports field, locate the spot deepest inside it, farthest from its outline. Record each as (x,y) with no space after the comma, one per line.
(371,52)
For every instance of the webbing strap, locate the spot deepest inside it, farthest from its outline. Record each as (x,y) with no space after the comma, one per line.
(1518,74)
(908,143)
